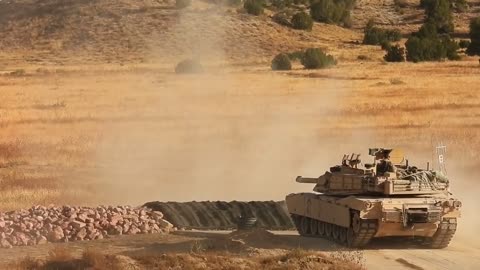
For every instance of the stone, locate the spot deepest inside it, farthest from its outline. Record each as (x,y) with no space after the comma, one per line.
(39,225)
(157,215)
(81,234)
(81,217)
(4,243)
(77,224)
(133,230)
(22,238)
(164,224)
(41,240)
(56,234)
(115,219)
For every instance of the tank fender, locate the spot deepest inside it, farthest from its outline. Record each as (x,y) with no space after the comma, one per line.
(354,203)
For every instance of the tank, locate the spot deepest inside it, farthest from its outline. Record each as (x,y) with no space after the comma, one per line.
(352,204)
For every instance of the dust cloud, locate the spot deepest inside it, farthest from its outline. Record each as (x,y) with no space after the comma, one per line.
(219,137)
(466,187)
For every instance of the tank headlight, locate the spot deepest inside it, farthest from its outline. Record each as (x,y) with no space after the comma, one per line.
(457,204)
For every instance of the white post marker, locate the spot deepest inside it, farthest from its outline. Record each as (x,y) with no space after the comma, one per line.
(441,152)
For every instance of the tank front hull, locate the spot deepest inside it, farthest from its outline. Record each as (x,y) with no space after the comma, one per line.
(365,218)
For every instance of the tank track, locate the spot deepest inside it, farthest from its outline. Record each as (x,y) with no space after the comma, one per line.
(356,236)
(443,235)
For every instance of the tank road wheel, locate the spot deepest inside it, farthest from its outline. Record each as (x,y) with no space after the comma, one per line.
(321,228)
(361,231)
(296,221)
(304,226)
(356,222)
(335,232)
(443,235)
(342,237)
(350,237)
(313,227)
(328,230)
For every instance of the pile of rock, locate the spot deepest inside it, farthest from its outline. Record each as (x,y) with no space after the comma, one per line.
(40,224)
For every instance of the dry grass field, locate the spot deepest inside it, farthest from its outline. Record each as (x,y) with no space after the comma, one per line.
(133,133)
(91,111)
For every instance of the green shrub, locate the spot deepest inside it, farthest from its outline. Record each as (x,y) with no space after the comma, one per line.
(281,62)
(233,3)
(296,56)
(400,3)
(464,43)
(332,11)
(188,66)
(180,4)
(431,49)
(254,7)
(280,4)
(301,2)
(385,45)
(18,72)
(474,47)
(459,5)
(363,57)
(377,36)
(395,54)
(315,58)
(439,13)
(282,18)
(302,21)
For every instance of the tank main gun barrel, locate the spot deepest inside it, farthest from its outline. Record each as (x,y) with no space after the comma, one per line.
(308,180)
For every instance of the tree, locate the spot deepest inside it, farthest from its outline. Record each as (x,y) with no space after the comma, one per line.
(281,62)
(377,36)
(254,7)
(439,13)
(302,21)
(280,4)
(332,11)
(315,58)
(395,54)
(474,47)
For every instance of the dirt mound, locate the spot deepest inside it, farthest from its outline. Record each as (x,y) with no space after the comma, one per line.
(221,215)
(257,238)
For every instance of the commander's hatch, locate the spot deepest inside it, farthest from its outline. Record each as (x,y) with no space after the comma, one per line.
(397,156)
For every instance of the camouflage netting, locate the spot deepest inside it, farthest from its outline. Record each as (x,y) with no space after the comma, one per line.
(426,179)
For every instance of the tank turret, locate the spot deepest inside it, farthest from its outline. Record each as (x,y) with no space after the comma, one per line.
(388,174)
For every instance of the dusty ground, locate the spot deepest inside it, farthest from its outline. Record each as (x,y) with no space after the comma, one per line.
(380,254)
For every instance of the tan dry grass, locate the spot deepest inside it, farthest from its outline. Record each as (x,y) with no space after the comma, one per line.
(55,154)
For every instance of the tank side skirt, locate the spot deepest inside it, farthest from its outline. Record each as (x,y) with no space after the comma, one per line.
(319,208)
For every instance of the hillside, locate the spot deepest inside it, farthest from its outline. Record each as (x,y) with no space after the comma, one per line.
(124,31)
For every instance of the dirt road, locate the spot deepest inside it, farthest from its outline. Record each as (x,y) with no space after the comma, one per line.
(379,255)
(384,254)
